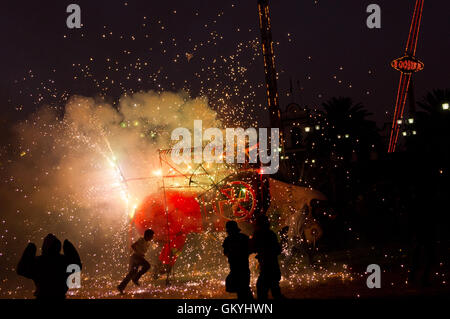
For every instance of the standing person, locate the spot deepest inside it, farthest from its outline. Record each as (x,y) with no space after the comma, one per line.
(265,244)
(236,248)
(49,270)
(137,260)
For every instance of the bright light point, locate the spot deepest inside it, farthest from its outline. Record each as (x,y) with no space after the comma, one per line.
(411,121)
(445,106)
(133,211)
(404,133)
(111,163)
(157,172)
(399,122)
(307,129)
(347,135)
(317,127)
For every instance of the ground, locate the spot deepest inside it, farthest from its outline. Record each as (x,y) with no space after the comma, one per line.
(334,275)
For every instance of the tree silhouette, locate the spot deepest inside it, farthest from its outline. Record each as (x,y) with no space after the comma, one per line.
(431,144)
(432,102)
(343,131)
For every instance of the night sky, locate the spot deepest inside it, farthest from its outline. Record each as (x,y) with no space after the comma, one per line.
(324,46)
(83,176)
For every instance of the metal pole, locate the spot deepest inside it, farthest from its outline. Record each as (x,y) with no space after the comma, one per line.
(167,214)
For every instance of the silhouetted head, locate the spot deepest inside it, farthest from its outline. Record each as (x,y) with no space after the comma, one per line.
(262,222)
(148,234)
(232,227)
(51,245)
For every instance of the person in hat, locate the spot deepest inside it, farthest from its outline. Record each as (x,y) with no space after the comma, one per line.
(265,244)
(236,248)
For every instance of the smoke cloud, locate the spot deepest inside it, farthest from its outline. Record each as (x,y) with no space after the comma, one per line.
(79,174)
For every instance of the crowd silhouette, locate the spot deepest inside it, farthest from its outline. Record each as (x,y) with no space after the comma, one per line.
(50,270)
(237,247)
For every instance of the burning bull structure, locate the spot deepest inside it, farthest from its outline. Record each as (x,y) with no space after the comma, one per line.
(205,198)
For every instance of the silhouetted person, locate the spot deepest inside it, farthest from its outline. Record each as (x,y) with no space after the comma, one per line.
(265,244)
(49,270)
(137,260)
(236,248)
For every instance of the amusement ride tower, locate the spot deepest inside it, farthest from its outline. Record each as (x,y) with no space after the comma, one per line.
(408,64)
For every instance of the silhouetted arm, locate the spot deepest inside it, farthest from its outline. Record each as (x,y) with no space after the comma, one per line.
(252,244)
(225,245)
(26,266)
(248,243)
(276,244)
(71,253)
(134,245)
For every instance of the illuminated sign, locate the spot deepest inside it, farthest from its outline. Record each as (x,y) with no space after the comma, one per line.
(407,64)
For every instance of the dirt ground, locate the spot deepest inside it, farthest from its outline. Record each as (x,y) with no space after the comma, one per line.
(334,275)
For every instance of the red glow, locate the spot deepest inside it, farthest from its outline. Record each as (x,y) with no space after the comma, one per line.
(183,216)
(190,212)
(407,64)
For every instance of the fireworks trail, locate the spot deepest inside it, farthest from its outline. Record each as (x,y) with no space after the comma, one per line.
(79,166)
(92,167)
(69,173)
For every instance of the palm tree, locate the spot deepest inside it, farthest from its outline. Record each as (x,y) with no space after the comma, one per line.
(344,130)
(432,142)
(341,134)
(433,101)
